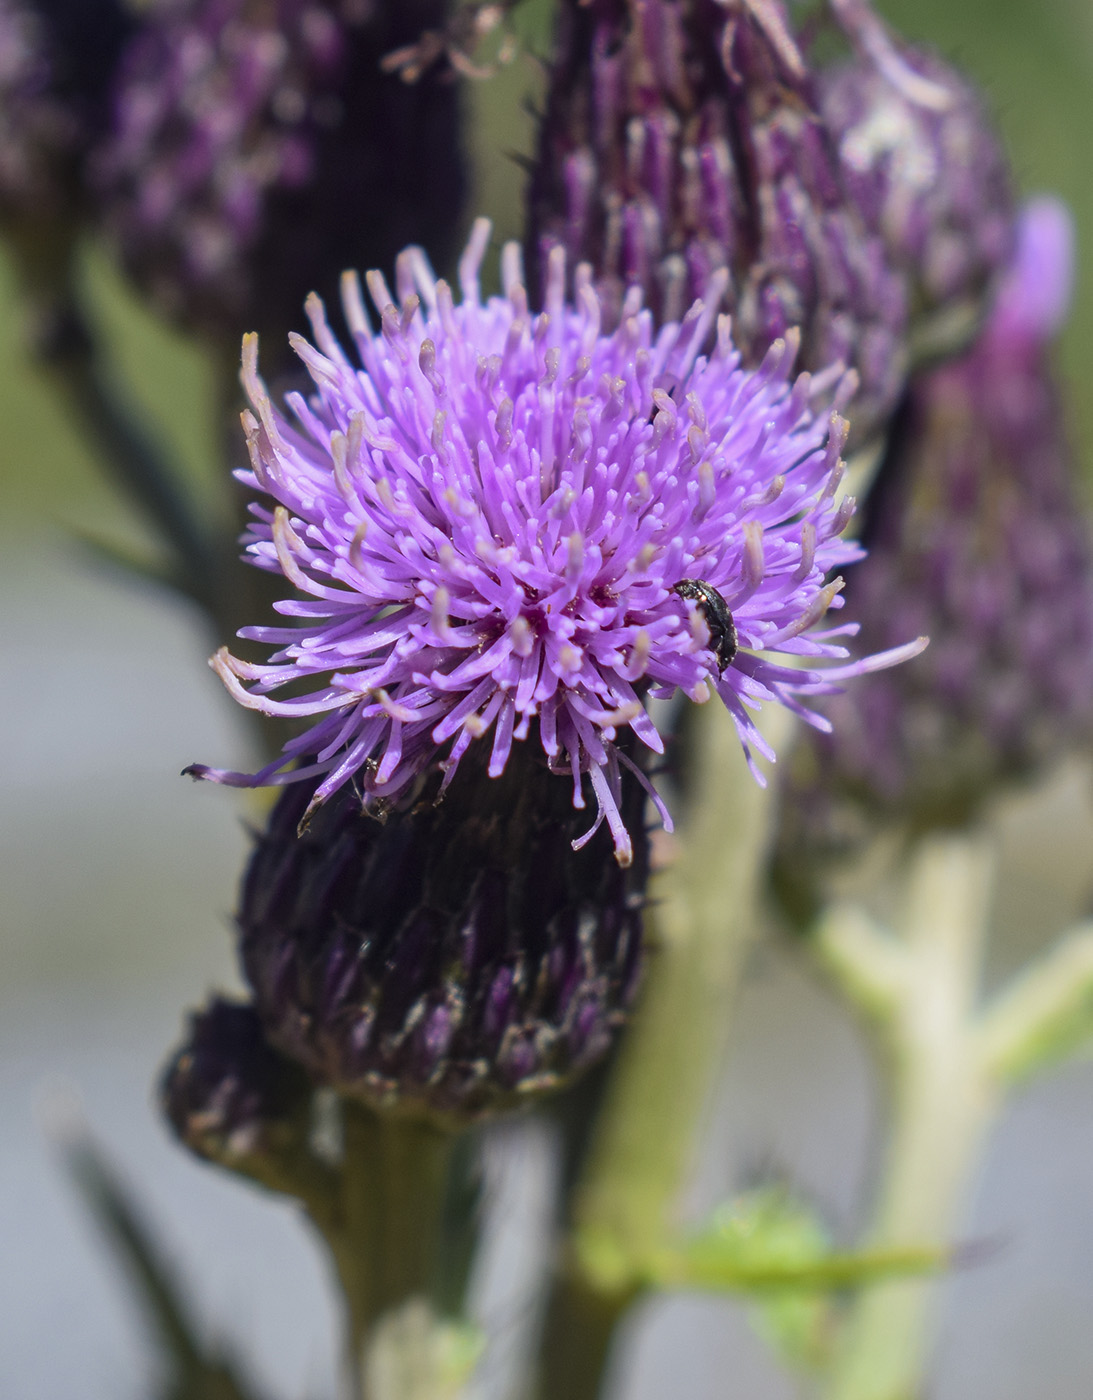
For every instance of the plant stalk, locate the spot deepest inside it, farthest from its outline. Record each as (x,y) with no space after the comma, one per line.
(384,1241)
(943,1100)
(703,917)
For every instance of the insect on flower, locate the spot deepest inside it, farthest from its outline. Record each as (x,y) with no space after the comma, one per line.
(718,619)
(486,523)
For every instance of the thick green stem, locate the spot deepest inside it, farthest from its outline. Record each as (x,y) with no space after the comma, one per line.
(943,1100)
(577,1336)
(703,916)
(384,1241)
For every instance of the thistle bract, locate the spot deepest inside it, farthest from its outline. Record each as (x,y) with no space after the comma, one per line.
(458,958)
(488,523)
(228,1094)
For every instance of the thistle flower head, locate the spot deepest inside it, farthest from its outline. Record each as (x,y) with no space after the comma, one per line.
(250,138)
(30,118)
(509,528)
(56,60)
(682,136)
(974,533)
(932,180)
(228,1094)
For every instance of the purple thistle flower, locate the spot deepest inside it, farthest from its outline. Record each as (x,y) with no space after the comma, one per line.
(250,139)
(491,524)
(932,180)
(56,61)
(976,535)
(682,136)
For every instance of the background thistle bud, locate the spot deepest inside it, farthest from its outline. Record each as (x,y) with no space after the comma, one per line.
(454,958)
(259,150)
(682,137)
(974,537)
(933,181)
(56,61)
(229,1096)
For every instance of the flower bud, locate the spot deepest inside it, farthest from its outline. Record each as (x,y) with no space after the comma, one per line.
(679,138)
(259,150)
(933,181)
(975,537)
(229,1096)
(457,956)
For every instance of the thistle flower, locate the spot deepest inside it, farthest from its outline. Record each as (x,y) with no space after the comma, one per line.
(680,138)
(932,180)
(456,958)
(56,59)
(518,524)
(228,1094)
(974,532)
(250,141)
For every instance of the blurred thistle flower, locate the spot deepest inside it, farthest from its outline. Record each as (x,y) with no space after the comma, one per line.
(933,181)
(56,60)
(229,1095)
(252,141)
(516,523)
(682,136)
(457,957)
(975,535)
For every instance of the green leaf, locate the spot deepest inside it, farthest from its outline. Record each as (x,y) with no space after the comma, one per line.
(124,559)
(773,1247)
(195,1371)
(763,1230)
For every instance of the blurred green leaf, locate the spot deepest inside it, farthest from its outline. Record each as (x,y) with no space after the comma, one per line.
(123,557)
(770,1228)
(773,1248)
(769,1239)
(766,1245)
(194,1370)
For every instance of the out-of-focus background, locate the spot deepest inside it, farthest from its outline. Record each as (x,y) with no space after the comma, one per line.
(118,881)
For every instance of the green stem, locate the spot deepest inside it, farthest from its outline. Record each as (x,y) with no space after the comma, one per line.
(577,1335)
(460,1226)
(384,1241)
(943,1099)
(703,916)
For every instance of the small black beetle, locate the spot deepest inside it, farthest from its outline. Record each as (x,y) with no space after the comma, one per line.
(718,618)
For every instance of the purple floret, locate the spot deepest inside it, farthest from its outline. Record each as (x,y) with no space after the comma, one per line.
(488,521)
